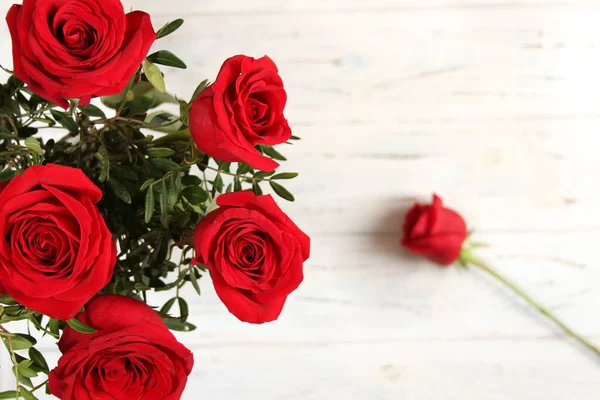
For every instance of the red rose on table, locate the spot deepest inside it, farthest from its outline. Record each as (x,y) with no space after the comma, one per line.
(77,48)
(56,252)
(132,356)
(241,109)
(254,253)
(434,231)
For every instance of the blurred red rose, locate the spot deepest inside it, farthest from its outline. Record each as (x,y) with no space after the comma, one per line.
(435,232)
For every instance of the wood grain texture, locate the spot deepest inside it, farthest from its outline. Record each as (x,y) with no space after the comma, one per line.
(492,104)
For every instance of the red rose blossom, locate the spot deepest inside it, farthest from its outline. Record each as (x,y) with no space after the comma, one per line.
(254,253)
(132,356)
(77,48)
(241,109)
(434,231)
(56,251)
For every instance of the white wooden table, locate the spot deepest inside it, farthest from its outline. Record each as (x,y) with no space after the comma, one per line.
(495,105)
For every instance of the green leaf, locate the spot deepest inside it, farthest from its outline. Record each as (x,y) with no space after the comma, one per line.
(281,191)
(149,205)
(27,395)
(164,199)
(25,370)
(8,395)
(38,359)
(256,188)
(218,183)
(120,191)
(271,152)
(177,325)
(6,175)
(163,121)
(194,194)
(184,310)
(92,111)
(203,85)
(146,184)
(237,185)
(21,341)
(155,77)
(160,152)
(34,145)
(65,120)
(294,137)
(80,326)
(54,326)
(167,306)
(165,57)
(194,280)
(285,175)
(263,174)
(243,169)
(191,180)
(169,28)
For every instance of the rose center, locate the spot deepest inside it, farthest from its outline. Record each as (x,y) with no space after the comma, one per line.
(256,110)
(75,35)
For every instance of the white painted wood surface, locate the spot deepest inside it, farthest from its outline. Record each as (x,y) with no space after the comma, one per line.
(495,105)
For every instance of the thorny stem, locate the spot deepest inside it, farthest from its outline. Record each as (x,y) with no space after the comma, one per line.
(467,257)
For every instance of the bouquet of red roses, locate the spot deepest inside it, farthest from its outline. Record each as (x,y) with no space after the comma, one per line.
(95,211)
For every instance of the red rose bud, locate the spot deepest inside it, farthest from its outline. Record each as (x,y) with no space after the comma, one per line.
(77,49)
(254,253)
(56,251)
(241,109)
(435,232)
(133,355)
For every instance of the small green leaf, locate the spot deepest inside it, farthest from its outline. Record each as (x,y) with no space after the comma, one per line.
(293,137)
(27,395)
(271,152)
(92,111)
(180,326)
(25,370)
(65,120)
(168,305)
(194,280)
(146,184)
(191,180)
(285,175)
(38,359)
(154,75)
(8,395)
(263,174)
(281,191)
(169,28)
(218,183)
(243,169)
(164,199)
(165,57)
(120,191)
(80,326)
(6,175)
(34,145)
(184,310)
(203,85)
(54,326)
(149,205)
(21,341)
(161,152)
(237,185)
(256,188)
(194,194)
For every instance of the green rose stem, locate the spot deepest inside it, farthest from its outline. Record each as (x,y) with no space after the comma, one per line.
(12,356)
(466,257)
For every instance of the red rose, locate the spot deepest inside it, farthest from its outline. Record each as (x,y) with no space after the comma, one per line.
(254,253)
(241,109)
(435,232)
(132,356)
(77,48)
(56,252)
